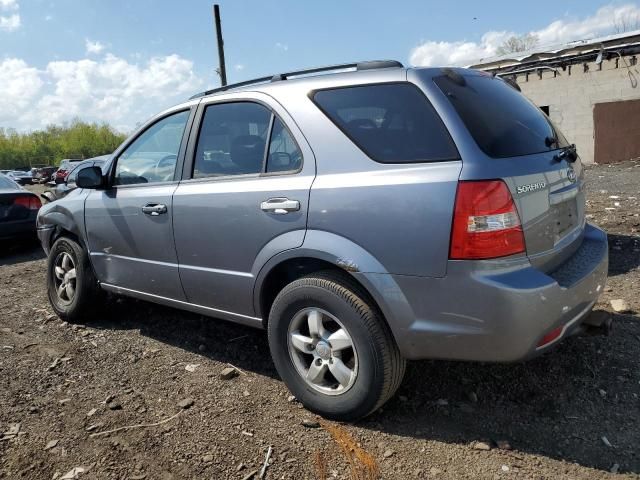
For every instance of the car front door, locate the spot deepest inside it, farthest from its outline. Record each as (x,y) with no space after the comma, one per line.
(243,199)
(129,224)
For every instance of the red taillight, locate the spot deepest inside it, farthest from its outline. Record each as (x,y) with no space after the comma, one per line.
(485,222)
(550,337)
(61,173)
(28,201)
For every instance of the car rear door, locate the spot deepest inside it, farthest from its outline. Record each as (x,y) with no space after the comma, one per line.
(243,199)
(129,225)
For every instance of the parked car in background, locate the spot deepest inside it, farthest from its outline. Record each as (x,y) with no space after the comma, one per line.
(18,210)
(21,177)
(65,167)
(63,189)
(363,218)
(44,174)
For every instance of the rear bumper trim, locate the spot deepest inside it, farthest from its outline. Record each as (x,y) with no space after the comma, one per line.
(574,322)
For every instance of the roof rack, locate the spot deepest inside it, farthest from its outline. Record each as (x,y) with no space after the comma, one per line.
(358,66)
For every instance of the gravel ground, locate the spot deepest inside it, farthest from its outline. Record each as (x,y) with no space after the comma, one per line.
(573,413)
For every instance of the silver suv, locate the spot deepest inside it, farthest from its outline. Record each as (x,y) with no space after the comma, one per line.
(361,217)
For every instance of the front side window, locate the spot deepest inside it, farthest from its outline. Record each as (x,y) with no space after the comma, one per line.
(152,157)
(391,123)
(243,138)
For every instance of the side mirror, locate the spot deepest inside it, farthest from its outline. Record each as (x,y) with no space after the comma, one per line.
(90,177)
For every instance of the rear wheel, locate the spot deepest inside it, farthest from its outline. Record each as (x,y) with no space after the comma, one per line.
(332,347)
(71,285)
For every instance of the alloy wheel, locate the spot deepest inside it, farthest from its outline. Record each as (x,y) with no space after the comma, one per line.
(322,351)
(64,277)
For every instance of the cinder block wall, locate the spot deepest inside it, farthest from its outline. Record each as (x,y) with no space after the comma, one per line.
(571,96)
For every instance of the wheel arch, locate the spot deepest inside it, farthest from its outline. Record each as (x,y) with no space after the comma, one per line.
(327,251)
(63,226)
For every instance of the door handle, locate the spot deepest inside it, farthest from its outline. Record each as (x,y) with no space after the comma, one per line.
(280,206)
(154,209)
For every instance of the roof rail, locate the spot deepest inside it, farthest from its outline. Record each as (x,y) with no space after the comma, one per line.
(358,66)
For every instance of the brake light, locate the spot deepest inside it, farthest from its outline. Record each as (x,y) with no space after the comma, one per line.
(28,201)
(485,222)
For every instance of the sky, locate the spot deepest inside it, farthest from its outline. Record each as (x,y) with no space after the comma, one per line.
(122,61)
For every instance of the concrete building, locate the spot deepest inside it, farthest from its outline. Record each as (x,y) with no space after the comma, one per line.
(589,88)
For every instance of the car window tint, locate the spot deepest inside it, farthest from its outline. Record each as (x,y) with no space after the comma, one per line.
(391,123)
(153,155)
(284,154)
(232,140)
(7,183)
(501,120)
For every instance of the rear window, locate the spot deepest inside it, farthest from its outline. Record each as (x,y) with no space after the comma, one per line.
(391,123)
(501,120)
(7,183)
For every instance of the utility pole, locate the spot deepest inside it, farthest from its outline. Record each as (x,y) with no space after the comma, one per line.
(222,69)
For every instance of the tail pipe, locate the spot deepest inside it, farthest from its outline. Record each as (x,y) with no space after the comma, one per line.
(598,322)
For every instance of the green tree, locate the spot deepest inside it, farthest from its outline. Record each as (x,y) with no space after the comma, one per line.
(77,139)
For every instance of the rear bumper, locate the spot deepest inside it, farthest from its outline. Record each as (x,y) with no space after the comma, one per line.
(18,229)
(497,311)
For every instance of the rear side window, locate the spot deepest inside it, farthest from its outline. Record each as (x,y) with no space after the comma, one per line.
(7,183)
(501,120)
(391,123)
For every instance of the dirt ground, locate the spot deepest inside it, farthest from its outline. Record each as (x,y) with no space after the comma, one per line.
(573,413)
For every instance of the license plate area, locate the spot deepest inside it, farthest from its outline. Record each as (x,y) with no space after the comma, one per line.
(565,217)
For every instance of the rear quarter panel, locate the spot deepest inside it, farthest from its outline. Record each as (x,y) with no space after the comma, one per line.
(399,213)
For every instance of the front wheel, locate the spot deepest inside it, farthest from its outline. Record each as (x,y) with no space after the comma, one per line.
(332,347)
(71,285)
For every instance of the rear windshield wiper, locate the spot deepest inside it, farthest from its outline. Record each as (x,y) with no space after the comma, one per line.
(567,153)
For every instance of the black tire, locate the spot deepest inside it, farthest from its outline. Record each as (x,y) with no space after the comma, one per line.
(87,295)
(380,366)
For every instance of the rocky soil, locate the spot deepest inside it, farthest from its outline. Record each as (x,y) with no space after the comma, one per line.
(155,376)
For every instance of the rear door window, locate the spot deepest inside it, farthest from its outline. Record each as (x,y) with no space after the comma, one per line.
(232,140)
(244,138)
(284,154)
(501,120)
(391,123)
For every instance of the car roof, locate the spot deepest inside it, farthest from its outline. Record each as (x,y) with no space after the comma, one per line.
(378,71)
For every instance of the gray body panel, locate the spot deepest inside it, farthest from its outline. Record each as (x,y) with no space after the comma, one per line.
(220,230)
(127,247)
(387,225)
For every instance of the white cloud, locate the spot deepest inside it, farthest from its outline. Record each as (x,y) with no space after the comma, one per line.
(558,31)
(9,23)
(19,86)
(239,67)
(112,90)
(8,5)
(282,46)
(94,47)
